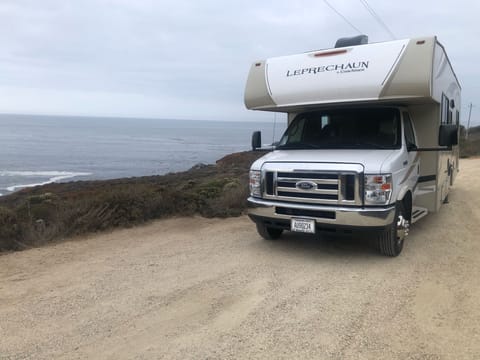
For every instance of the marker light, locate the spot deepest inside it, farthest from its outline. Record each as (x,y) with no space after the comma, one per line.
(330,53)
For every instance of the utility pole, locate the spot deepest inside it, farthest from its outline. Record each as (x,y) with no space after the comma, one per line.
(468,124)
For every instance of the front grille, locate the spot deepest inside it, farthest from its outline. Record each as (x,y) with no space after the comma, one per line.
(305,212)
(314,187)
(308,175)
(292,185)
(269,182)
(309,196)
(350,187)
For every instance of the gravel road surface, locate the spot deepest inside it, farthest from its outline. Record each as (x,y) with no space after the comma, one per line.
(194,288)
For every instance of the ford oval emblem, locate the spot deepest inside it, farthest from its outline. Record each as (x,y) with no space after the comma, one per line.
(306,185)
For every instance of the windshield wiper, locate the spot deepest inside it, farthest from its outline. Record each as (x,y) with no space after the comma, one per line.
(373,145)
(299,146)
(306,146)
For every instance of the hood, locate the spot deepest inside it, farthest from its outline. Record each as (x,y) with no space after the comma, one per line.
(372,160)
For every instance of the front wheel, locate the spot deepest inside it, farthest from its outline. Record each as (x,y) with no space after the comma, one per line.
(269,233)
(391,240)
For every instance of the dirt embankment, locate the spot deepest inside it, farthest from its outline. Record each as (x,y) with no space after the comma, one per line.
(195,288)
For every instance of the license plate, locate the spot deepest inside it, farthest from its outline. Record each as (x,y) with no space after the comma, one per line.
(303,225)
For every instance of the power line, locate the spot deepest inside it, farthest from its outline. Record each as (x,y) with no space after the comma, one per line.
(468,124)
(377,18)
(341,15)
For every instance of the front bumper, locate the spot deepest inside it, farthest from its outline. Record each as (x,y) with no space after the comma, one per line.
(326,215)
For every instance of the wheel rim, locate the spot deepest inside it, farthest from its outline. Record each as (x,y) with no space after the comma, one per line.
(402,229)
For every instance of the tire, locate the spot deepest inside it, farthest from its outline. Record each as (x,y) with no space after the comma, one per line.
(391,241)
(269,233)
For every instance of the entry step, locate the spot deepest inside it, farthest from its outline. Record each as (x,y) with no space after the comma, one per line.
(418,213)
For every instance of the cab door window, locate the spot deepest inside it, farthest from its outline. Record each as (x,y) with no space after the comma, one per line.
(409,134)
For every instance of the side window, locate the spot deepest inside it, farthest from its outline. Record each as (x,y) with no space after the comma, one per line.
(457,118)
(325,120)
(446,115)
(296,130)
(409,134)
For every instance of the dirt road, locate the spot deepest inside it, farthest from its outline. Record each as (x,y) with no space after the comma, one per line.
(212,289)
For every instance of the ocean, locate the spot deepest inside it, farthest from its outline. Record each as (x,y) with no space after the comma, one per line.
(36,150)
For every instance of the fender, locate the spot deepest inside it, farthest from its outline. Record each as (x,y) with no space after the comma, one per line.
(401,194)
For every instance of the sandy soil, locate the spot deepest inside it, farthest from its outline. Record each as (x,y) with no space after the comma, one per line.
(212,289)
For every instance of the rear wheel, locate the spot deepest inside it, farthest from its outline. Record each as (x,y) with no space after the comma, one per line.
(269,233)
(391,240)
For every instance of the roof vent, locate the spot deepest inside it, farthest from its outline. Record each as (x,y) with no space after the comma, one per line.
(352,41)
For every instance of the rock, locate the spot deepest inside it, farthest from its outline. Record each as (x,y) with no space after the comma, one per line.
(198,166)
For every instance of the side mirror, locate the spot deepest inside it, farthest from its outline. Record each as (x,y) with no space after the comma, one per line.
(411,147)
(256,140)
(448,135)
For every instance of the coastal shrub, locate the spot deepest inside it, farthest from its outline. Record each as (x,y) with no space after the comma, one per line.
(116,207)
(233,202)
(35,221)
(212,189)
(38,232)
(8,229)
(469,147)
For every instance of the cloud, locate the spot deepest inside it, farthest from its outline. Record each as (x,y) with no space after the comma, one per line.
(167,58)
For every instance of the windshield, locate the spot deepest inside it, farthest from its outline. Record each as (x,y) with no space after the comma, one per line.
(344,129)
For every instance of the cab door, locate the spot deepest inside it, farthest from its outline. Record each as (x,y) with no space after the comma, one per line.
(413,157)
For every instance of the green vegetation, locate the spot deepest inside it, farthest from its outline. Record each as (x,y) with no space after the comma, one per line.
(470,146)
(44,214)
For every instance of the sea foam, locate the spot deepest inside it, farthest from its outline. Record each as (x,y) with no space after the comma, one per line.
(52,176)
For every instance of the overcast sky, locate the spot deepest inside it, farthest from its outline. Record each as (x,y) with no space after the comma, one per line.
(190,58)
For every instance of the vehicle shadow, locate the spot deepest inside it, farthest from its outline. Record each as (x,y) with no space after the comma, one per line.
(321,245)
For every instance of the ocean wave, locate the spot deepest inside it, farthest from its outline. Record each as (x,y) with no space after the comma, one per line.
(42,173)
(53,176)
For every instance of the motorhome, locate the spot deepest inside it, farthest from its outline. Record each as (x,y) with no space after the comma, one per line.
(371,142)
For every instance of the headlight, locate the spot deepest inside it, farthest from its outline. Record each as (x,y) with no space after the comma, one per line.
(378,189)
(255,183)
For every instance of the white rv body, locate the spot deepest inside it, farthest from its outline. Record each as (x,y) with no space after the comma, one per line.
(411,79)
